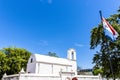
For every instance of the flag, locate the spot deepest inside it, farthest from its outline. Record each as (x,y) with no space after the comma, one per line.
(110,32)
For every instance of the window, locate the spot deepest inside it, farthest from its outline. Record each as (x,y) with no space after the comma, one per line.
(31,60)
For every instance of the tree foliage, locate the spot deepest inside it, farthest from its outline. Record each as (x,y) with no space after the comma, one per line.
(109,51)
(3,64)
(12,60)
(52,54)
(97,71)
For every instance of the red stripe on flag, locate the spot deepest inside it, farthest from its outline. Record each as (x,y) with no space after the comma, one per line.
(111,28)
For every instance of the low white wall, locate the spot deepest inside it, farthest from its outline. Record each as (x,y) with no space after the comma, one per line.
(11,77)
(50,77)
(30,77)
(38,77)
(88,77)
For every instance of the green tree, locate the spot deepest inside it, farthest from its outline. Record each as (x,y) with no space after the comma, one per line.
(3,64)
(17,59)
(109,51)
(97,70)
(52,54)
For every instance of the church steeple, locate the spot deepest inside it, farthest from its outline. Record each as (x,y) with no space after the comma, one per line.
(71,55)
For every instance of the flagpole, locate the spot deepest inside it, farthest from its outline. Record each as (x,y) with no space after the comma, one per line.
(111,67)
(100,15)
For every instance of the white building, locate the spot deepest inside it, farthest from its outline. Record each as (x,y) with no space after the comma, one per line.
(41,67)
(46,65)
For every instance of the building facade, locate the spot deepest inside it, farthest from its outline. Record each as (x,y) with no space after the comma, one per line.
(47,65)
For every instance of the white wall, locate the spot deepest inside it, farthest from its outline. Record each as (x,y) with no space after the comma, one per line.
(43,68)
(74,67)
(56,69)
(31,68)
(48,69)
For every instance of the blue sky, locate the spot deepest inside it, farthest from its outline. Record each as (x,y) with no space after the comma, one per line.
(41,26)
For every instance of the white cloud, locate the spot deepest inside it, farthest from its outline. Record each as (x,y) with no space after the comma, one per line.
(79,45)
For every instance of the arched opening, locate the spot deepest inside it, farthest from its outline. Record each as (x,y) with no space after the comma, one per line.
(31,60)
(72,55)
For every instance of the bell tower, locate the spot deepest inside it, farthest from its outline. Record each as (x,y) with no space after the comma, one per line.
(71,55)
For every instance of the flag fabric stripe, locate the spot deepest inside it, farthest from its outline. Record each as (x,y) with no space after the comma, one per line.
(110,32)
(113,31)
(111,28)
